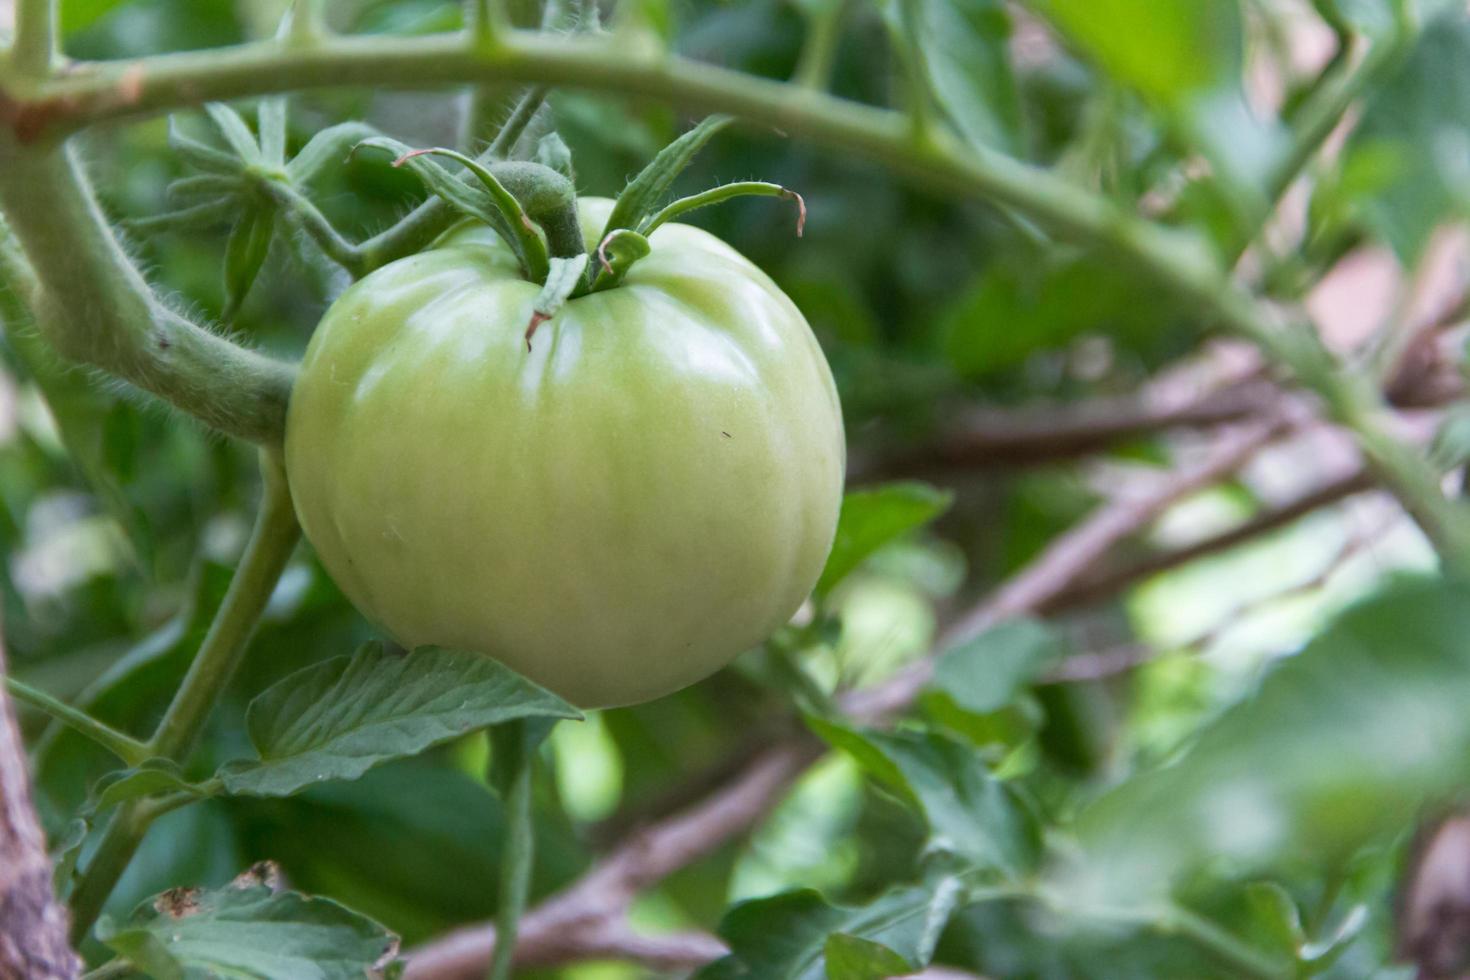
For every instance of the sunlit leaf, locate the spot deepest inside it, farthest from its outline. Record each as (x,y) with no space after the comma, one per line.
(341,717)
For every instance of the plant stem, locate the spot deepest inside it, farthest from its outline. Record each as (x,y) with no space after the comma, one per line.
(514,757)
(819,50)
(98,310)
(35,48)
(271,543)
(301,212)
(125,747)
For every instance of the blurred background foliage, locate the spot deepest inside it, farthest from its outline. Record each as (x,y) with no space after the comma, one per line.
(120,520)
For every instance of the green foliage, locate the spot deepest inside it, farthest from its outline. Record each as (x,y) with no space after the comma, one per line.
(1219,804)
(249,930)
(338,718)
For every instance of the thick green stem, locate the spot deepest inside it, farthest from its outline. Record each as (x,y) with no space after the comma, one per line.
(125,747)
(271,543)
(514,758)
(275,535)
(98,310)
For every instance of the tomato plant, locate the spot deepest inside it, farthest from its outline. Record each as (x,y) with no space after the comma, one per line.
(1049,561)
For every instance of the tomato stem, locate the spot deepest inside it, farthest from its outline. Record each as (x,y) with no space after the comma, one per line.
(271,543)
(513,761)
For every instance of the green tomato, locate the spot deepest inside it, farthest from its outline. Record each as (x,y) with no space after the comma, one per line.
(616,513)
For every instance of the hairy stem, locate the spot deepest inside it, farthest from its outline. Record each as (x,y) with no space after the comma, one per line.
(97,309)
(271,543)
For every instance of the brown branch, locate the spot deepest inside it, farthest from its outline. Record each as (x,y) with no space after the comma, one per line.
(986,437)
(33,925)
(639,862)
(1071,555)
(1107,584)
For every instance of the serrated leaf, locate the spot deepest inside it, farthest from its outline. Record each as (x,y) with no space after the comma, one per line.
(644,192)
(962,54)
(785,937)
(968,812)
(341,717)
(987,673)
(1343,744)
(235,130)
(250,932)
(245,253)
(872,518)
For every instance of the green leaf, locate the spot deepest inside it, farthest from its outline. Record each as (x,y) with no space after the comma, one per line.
(246,930)
(725,192)
(644,192)
(787,936)
(152,777)
(245,253)
(854,958)
(490,202)
(1416,130)
(341,717)
(78,15)
(988,672)
(235,130)
(1030,302)
(615,256)
(1166,49)
(1186,57)
(1343,744)
(271,119)
(872,518)
(199,155)
(968,812)
(961,47)
(1274,911)
(331,147)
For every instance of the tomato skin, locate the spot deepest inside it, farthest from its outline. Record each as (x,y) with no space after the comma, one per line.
(618,512)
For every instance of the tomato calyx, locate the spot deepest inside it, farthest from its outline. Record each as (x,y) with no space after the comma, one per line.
(533,207)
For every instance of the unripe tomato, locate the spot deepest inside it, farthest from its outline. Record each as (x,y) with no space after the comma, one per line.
(617,512)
